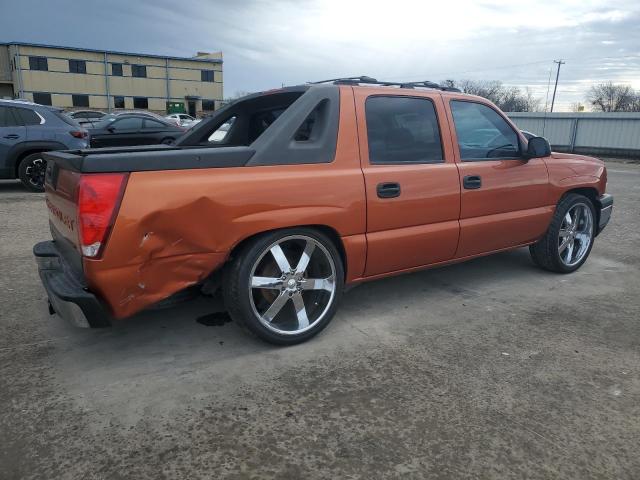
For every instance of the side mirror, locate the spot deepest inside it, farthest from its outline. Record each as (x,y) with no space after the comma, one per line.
(537,147)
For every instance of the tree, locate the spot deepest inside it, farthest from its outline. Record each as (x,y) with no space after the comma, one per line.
(609,97)
(509,99)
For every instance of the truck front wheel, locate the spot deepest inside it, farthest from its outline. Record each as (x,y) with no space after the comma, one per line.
(569,238)
(285,286)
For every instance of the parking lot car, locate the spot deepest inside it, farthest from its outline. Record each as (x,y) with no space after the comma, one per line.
(181,119)
(308,189)
(133,129)
(26,131)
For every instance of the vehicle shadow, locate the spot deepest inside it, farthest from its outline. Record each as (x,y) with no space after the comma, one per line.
(13,186)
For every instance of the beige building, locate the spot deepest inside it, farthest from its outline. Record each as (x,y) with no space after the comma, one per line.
(78,78)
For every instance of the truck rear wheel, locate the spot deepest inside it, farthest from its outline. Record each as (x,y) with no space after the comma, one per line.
(569,238)
(285,286)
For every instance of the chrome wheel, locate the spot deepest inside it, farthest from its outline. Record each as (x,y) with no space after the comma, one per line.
(576,234)
(292,285)
(35,172)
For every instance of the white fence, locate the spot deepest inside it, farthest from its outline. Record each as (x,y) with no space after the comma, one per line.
(615,134)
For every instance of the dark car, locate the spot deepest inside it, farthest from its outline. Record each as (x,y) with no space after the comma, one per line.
(133,129)
(26,131)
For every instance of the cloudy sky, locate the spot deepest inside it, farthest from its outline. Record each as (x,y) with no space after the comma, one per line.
(270,43)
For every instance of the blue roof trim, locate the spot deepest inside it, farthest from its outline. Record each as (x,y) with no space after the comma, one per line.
(113,52)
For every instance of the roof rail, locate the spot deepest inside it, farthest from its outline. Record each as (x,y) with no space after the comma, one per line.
(363,79)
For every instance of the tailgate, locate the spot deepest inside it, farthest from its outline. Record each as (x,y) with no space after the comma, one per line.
(61,186)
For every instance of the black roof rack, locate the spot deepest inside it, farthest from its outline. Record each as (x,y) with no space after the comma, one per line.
(363,79)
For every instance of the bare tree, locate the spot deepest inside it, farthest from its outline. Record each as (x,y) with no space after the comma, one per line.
(509,99)
(609,97)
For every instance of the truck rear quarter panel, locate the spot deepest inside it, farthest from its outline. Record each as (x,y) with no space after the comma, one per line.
(176,227)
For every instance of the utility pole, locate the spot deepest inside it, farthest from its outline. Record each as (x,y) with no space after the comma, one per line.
(553,99)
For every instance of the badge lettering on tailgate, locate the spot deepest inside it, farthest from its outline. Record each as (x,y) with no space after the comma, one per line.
(60,215)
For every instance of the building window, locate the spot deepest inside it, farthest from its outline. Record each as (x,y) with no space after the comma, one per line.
(208,105)
(77,66)
(118,102)
(42,98)
(38,63)
(80,100)
(116,69)
(139,71)
(140,102)
(206,75)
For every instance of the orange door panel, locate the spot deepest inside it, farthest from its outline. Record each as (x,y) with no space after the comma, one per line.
(504,202)
(417,224)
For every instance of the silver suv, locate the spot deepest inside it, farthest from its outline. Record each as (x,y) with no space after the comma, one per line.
(28,129)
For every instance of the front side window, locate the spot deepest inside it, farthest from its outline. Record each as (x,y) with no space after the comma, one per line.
(220,134)
(38,63)
(482,133)
(402,130)
(140,102)
(116,69)
(80,101)
(132,123)
(77,66)
(42,98)
(138,71)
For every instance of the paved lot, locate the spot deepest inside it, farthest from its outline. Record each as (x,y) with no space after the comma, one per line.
(490,369)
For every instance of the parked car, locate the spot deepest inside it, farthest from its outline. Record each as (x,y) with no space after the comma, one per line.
(310,189)
(181,119)
(26,131)
(133,129)
(86,118)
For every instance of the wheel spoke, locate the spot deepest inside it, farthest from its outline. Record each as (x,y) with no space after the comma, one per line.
(280,258)
(569,251)
(317,283)
(301,311)
(266,282)
(275,307)
(564,232)
(305,257)
(564,245)
(568,220)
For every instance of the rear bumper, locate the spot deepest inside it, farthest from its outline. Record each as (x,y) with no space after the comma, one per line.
(68,296)
(605,204)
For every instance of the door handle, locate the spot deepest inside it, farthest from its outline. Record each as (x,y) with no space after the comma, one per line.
(388,190)
(472,182)
(12,136)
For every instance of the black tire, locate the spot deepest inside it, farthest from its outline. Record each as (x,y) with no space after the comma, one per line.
(31,172)
(168,141)
(545,253)
(239,296)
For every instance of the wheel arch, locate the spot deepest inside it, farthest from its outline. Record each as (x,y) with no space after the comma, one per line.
(19,152)
(592,194)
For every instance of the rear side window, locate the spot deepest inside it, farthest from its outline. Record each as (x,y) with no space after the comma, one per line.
(8,119)
(28,117)
(402,130)
(153,124)
(133,123)
(482,133)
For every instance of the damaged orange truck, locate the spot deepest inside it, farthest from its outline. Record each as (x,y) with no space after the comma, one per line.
(284,197)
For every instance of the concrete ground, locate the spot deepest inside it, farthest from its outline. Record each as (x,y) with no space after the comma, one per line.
(489,369)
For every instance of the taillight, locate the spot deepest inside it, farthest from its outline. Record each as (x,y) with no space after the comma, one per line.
(79,133)
(99,197)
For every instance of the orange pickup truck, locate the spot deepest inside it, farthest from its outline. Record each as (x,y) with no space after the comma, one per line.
(284,197)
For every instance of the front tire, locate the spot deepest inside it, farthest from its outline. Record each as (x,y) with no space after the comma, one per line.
(285,286)
(569,238)
(31,172)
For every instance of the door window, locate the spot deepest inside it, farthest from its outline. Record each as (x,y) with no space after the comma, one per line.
(482,133)
(402,130)
(132,123)
(28,117)
(152,124)
(7,118)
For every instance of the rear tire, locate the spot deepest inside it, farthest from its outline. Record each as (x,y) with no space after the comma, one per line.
(168,141)
(569,238)
(31,172)
(284,286)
